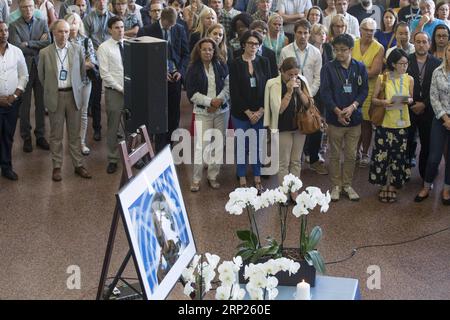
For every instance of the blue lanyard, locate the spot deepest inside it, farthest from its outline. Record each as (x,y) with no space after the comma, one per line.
(399,92)
(301,65)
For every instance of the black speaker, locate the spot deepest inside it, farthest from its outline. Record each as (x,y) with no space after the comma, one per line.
(145,84)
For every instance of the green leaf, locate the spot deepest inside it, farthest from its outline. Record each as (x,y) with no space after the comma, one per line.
(314,238)
(317,261)
(244,235)
(246,255)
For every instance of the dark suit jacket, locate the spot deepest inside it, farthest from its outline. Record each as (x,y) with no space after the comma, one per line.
(240,90)
(178,46)
(18,33)
(422,92)
(270,55)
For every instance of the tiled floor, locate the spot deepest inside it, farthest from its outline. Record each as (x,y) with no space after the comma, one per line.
(45,227)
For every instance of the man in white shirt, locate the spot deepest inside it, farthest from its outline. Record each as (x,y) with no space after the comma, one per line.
(291,11)
(61,71)
(110,58)
(352,22)
(308,56)
(13,80)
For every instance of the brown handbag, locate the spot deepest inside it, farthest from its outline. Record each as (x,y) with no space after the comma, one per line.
(308,117)
(376,113)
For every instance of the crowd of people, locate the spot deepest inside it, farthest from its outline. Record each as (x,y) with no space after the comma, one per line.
(378,72)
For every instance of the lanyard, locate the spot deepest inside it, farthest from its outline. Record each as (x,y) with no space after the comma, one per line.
(301,65)
(399,91)
(64,59)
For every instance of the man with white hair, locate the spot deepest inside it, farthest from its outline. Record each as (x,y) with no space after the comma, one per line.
(352,22)
(366,9)
(427,22)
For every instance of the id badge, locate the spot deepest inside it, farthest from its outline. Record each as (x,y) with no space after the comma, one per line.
(401,123)
(253,82)
(347,88)
(63,75)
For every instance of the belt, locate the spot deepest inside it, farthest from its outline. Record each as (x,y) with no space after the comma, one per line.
(65,89)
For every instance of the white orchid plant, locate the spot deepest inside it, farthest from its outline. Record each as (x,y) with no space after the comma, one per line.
(247,199)
(261,281)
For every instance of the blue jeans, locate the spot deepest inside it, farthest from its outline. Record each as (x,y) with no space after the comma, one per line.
(241,155)
(437,141)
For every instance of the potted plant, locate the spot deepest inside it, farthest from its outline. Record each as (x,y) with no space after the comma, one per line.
(252,250)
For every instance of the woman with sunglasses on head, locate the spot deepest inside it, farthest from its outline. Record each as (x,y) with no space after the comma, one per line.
(275,38)
(248,76)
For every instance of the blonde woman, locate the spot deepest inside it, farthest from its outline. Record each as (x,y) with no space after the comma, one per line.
(217,33)
(275,38)
(192,12)
(77,35)
(207,18)
(338,25)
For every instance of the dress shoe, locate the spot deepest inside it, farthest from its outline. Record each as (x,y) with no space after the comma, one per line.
(82,172)
(56,176)
(9,174)
(42,143)
(420,198)
(27,145)
(112,167)
(97,136)
(445,202)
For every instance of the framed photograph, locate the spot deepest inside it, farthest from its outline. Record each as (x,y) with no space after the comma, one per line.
(157,226)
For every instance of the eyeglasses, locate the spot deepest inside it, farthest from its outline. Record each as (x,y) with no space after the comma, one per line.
(442,36)
(368,30)
(402,64)
(253,44)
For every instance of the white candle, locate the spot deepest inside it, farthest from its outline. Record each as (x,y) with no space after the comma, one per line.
(303,291)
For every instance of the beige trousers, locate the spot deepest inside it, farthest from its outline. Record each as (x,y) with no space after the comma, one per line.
(290,151)
(204,122)
(349,137)
(66,111)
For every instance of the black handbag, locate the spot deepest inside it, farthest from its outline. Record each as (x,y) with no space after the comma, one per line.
(94,73)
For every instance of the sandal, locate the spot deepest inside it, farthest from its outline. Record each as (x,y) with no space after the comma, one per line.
(195,186)
(392,196)
(259,187)
(383,196)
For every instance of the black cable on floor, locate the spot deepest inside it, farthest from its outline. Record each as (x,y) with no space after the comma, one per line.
(352,254)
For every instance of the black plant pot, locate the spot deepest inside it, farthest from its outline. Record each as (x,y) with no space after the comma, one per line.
(306,272)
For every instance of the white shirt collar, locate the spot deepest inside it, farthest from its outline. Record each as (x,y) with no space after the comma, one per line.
(65,47)
(296,48)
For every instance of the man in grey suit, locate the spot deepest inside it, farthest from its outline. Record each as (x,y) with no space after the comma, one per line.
(61,71)
(31,34)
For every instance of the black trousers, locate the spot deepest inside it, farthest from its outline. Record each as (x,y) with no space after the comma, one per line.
(94,104)
(312,145)
(422,123)
(173,115)
(8,121)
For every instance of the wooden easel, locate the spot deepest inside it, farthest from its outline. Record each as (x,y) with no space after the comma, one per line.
(131,153)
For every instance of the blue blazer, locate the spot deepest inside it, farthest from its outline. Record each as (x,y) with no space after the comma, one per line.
(177,48)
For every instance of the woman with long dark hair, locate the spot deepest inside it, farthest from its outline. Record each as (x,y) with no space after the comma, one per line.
(207,87)
(439,41)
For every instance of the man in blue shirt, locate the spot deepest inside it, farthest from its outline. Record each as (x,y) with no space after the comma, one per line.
(343,88)
(427,22)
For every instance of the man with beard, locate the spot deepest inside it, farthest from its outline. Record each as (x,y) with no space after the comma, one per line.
(421,67)
(366,9)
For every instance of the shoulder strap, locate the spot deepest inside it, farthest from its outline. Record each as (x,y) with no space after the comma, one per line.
(86,44)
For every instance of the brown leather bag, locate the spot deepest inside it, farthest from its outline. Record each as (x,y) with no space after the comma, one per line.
(376,113)
(308,117)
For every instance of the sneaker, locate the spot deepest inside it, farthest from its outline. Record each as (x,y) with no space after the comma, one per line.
(319,167)
(85,150)
(351,194)
(365,161)
(335,193)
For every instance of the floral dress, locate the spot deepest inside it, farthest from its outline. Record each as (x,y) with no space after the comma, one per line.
(389,163)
